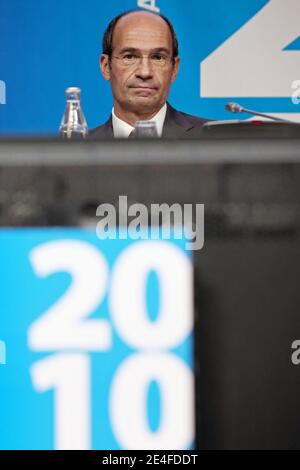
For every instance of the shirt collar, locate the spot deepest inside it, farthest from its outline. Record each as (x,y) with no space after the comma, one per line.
(122,129)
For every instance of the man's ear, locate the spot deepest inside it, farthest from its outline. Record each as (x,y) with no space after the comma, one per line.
(105,66)
(175,68)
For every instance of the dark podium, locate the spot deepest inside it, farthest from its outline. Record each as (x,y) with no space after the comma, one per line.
(247,276)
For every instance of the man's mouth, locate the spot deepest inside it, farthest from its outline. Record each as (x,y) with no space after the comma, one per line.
(140,87)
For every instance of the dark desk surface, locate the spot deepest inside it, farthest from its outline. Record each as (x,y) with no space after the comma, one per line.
(209,149)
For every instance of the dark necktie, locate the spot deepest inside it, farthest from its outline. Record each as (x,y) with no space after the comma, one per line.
(132,134)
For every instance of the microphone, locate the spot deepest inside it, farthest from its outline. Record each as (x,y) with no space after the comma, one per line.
(237,108)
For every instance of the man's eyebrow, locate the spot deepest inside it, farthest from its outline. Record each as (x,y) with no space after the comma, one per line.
(129,49)
(136,50)
(161,49)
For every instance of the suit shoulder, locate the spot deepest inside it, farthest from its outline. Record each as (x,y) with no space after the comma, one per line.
(191,119)
(102,131)
(185,119)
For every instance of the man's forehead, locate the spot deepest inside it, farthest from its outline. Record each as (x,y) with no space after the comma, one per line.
(135,28)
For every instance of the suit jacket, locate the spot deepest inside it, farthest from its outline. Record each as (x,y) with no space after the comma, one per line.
(177,124)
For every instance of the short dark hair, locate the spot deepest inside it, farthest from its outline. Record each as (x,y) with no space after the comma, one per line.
(107,42)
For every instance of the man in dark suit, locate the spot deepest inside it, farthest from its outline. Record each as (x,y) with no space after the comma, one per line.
(140,59)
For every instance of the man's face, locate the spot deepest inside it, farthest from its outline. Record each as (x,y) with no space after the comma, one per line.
(141,87)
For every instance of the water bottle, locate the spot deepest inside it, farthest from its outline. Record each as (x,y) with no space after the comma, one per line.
(145,129)
(73,124)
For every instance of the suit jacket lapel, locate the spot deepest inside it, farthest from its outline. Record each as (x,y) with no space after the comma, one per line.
(174,124)
(108,128)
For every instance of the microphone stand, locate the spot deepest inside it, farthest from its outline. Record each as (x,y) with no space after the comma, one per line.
(237,108)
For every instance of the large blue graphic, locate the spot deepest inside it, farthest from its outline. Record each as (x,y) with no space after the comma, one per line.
(50,45)
(97,341)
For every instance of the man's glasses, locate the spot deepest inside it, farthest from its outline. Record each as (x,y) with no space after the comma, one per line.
(157,60)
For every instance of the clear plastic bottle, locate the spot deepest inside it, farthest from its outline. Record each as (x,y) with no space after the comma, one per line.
(73,124)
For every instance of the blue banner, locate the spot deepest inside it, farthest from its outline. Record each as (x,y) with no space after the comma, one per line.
(98,336)
(233,50)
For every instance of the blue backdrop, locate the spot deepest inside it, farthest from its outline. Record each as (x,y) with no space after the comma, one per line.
(252,49)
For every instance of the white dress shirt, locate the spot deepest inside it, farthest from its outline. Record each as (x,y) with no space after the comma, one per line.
(122,129)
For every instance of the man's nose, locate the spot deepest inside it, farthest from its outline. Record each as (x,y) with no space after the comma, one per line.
(144,68)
